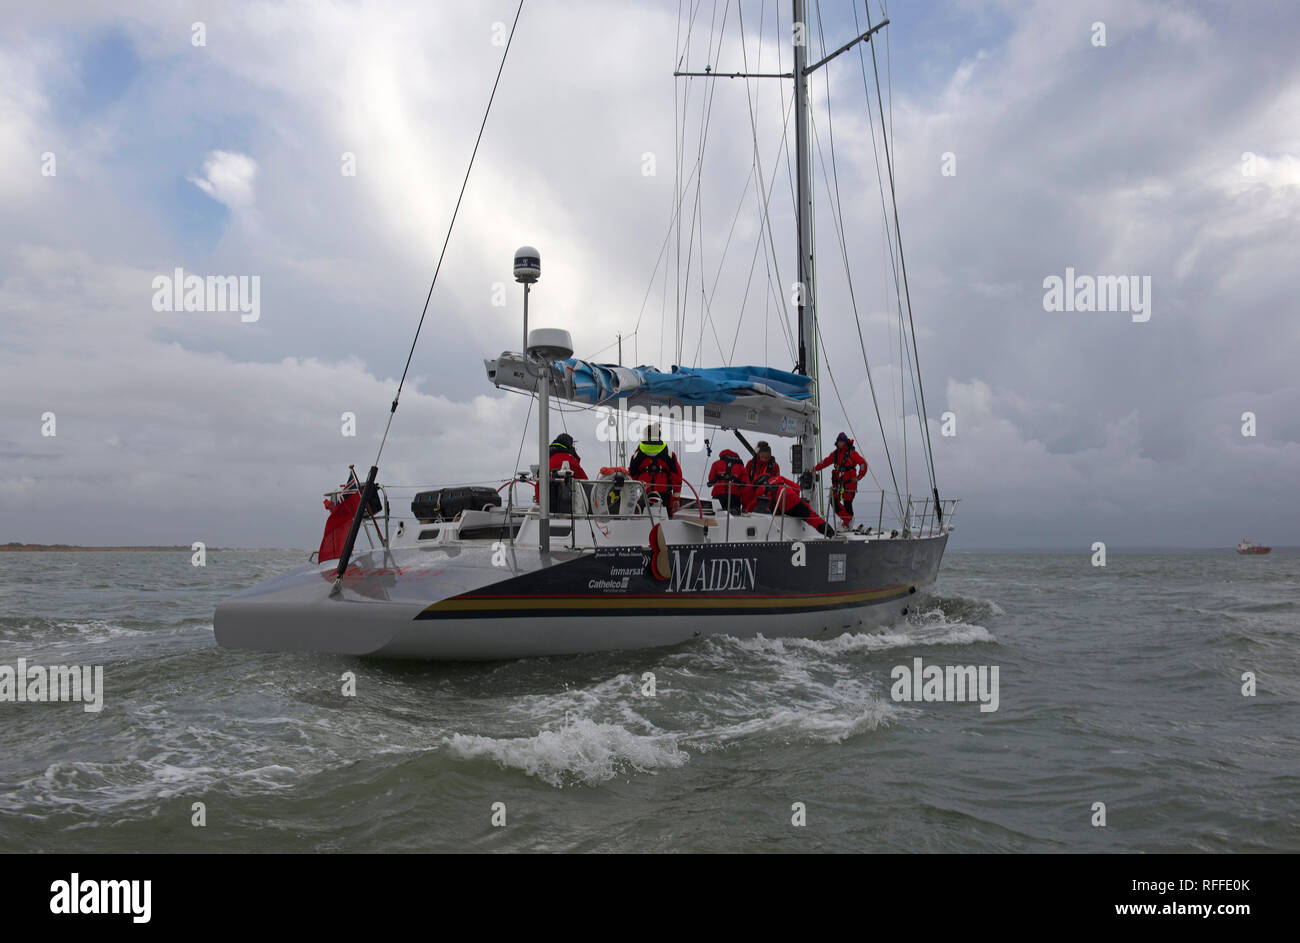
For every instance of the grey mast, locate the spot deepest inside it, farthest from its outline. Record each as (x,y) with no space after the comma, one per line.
(806,285)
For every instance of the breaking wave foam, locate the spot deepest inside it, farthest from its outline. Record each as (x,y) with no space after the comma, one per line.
(581,752)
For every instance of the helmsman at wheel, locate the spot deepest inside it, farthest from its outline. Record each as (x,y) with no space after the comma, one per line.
(563,458)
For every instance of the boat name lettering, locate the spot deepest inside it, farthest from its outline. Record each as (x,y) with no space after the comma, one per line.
(711,575)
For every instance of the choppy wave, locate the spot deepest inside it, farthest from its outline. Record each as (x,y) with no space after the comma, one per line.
(583,751)
(720,693)
(964,608)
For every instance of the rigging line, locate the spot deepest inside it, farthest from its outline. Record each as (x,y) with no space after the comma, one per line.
(847,421)
(680,103)
(663,249)
(913,369)
(914,364)
(680,302)
(903,358)
(663,314)
(532,398)
(758,243)
(889,74)
(761,244)
(905,362)
(875,153)
(605,348)
(729,357)
(744,301)
(681,107)
(682,50)
(679,291)
(767,241)
(902,261)
(767,316)
(697,220)
(706,311)
(708,302)
(450,226)
(784,145)
(898,411)
(755,167)
(837,218)
(559,407)
(771,256)
(789,163)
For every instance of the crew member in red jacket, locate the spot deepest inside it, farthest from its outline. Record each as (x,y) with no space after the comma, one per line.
(656,466)
(729,480)
(784,496)
(762,463)
(563,452)
(847,468)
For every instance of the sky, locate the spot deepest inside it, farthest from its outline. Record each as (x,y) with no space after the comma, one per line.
(321,148)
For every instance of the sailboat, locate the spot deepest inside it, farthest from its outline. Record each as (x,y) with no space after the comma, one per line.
(483,573)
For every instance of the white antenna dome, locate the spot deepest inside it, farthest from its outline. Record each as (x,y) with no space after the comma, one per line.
(550,343)
(528,265)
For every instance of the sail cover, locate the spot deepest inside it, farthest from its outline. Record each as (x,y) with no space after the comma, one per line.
(759,399)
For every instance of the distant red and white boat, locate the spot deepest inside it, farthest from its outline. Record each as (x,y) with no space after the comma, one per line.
(1247,546)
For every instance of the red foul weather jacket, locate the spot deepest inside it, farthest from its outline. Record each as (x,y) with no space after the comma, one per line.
(754,468)
(659,471)
(558,458)
(847,467)
(791,502)
(728,472)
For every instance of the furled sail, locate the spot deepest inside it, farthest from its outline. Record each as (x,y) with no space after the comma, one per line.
(758,399)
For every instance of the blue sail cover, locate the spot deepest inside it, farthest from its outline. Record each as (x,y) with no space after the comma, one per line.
(598,383)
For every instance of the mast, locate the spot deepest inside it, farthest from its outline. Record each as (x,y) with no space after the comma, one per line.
(806,287)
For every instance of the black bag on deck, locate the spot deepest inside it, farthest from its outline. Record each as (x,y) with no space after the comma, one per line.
(446,503)
(562,489)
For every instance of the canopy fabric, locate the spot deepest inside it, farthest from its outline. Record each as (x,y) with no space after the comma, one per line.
(758,399)
(598,383)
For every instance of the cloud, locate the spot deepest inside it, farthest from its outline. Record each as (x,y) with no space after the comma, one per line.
(228,179)
(1126,159)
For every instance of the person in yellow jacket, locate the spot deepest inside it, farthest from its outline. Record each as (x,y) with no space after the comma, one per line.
(655,465)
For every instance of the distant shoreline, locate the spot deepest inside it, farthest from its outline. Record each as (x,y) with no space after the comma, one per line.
(74,548)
